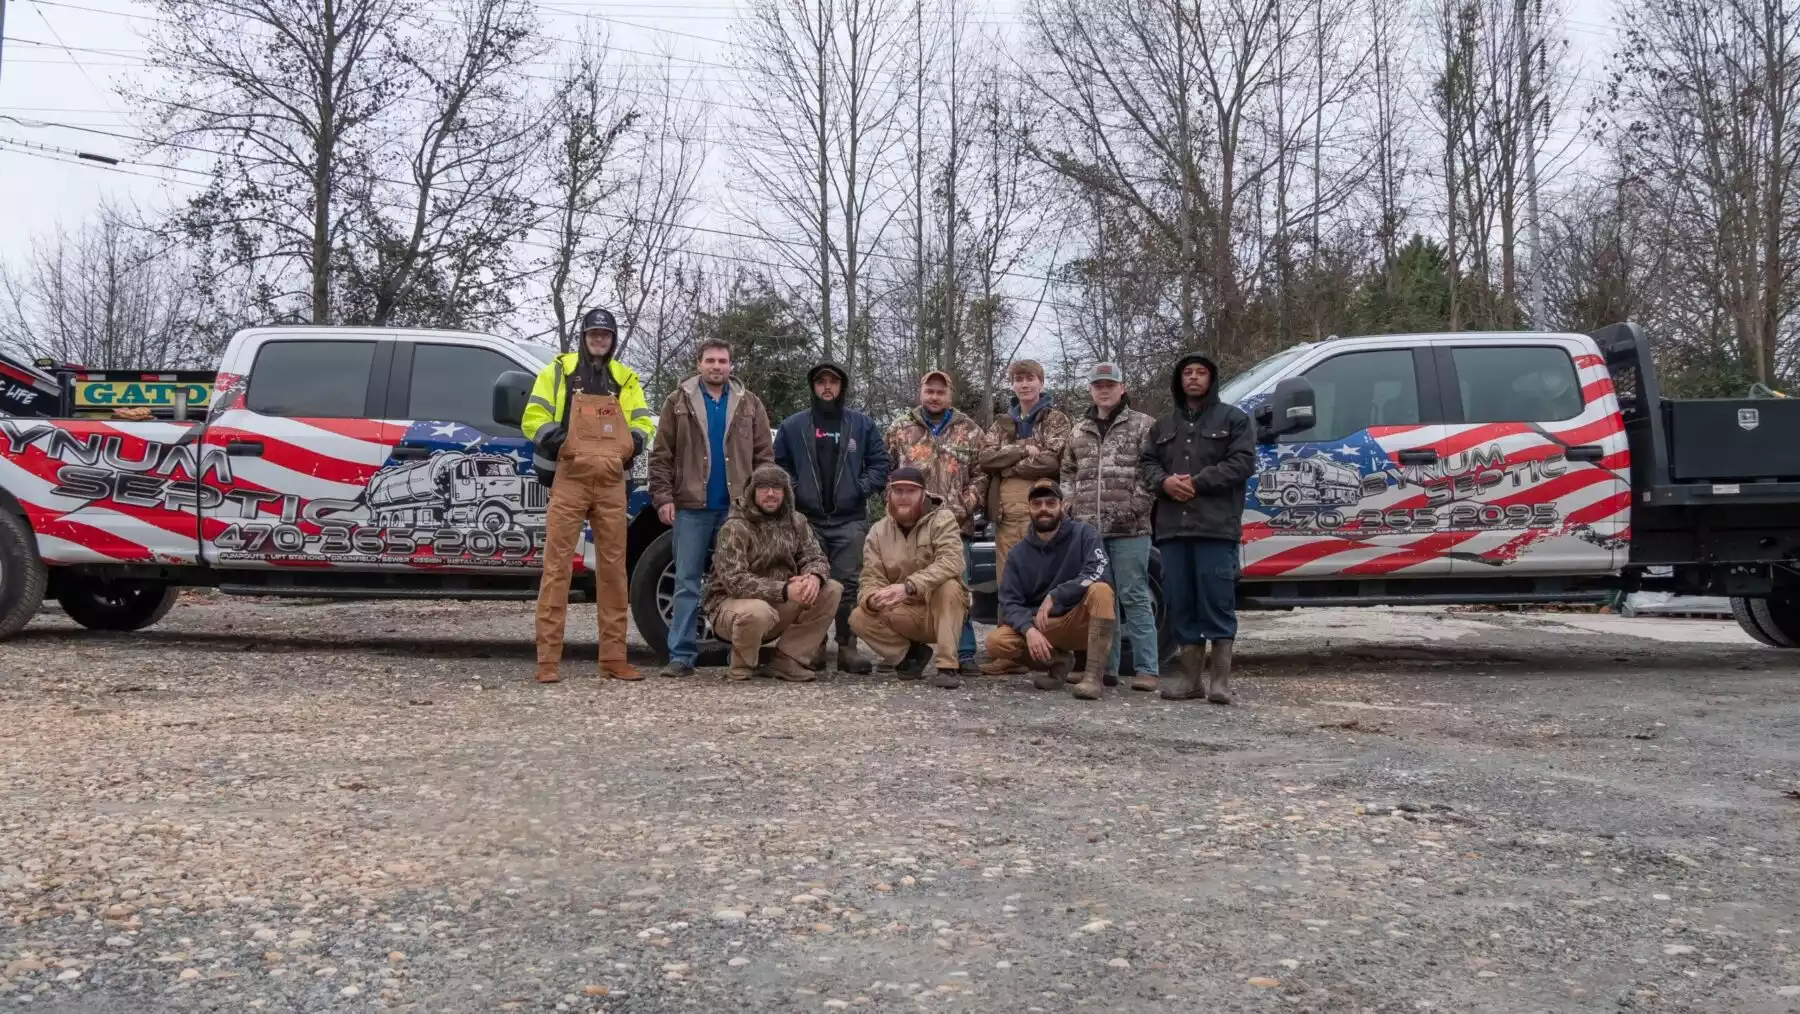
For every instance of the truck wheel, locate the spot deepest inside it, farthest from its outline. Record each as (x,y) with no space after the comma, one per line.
(1779,616)
(116,605)
(653,595)
(1740,609)
(22,575)
(494,518)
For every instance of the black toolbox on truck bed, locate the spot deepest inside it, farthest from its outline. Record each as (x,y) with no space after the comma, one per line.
(1743,439)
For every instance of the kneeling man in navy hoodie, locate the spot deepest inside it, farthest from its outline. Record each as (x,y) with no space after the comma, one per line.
(1056,598)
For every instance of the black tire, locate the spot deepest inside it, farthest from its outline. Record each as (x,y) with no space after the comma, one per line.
(22,575)
(1780,618)
(115,605)
(1740,609)
(652,597)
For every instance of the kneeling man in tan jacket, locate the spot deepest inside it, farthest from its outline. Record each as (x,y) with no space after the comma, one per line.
(912,597)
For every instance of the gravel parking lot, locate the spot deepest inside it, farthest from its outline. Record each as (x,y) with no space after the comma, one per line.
(279,806)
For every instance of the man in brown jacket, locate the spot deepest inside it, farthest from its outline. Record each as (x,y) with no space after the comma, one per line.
(912,592)
(1022,446)
(771,578)
(712,434)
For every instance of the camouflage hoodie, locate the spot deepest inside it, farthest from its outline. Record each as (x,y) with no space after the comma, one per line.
(757,553)
(947,457)
(1101,482)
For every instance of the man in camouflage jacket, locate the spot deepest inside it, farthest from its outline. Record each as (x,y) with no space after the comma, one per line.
(1024,444)
(769,577)
(942,443)
(1103,486)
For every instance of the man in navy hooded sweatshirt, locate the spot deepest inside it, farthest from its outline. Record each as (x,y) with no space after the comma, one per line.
(838,459)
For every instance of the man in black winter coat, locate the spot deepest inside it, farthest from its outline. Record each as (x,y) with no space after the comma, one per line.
(1056,598)
(837,459)
(1196,460)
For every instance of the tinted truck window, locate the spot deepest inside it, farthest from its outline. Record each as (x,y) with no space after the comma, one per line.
(1358,390)
(316,379)
(455,383)
(1519,384)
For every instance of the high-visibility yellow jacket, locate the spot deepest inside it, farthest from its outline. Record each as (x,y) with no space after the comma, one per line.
(549,400)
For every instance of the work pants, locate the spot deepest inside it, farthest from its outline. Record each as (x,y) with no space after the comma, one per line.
(1199,585)
(937,621)
(842,542)
(590,487)
(747,623)
(1068,632)
(1012,521)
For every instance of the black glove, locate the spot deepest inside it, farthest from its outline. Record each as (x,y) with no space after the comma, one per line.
(550,439)
(637,448)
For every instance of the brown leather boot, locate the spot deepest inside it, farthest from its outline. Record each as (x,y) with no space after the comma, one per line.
(791,669)
(1218,688)
(1053,678)
(849,660)
(547,672)
(1093,681)
(1190,669)
(1000,667)
(619,669)
(1145,682)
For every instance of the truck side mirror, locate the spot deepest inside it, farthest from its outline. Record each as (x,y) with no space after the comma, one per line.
(511,391)
(1291,409)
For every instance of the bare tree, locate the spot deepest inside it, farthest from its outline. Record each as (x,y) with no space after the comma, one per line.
(108,295)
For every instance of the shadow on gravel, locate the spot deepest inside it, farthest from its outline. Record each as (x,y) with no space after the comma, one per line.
(436,647)
(1551,657)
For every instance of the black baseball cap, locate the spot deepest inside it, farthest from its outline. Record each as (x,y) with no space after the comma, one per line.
(906,475)
(1044,488)
(597,318)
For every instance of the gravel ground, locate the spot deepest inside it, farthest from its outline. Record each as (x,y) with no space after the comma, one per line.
(306,807)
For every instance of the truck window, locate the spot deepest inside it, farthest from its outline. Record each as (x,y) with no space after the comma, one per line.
(311,379)
(1358,390)
(455,383)
(1520,383)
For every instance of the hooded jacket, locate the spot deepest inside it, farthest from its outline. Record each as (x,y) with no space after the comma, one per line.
(757,553)
(859,471)
(1101,479)
(1212,442)
(922,559)
(1059,568)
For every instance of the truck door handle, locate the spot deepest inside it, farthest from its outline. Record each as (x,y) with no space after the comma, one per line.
(1585,452)
(1418,456)
(405,452)
(244,448)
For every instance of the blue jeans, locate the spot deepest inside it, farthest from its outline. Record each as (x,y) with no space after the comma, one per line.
(694,534)
(1130,558)
(1199,585)
(965,644)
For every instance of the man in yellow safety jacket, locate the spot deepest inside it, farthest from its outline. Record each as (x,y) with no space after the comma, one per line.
(586,419)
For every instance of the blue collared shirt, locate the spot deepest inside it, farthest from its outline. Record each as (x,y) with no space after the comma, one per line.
(718,494)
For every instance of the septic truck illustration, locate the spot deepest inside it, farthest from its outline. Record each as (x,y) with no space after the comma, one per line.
(455,489)
(1308,482)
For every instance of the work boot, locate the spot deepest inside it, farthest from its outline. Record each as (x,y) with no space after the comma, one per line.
(1144,681)
(675,670)
(547,672)
(1190,667)
(619,669)
(1058,673)
(850,660)
(912,667)
(997,667)
(968,667)
(1218,688)
(1100,635)
(943,679)
(789,668)
(741,674)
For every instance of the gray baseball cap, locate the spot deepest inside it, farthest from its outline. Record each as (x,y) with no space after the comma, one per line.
(1106,371)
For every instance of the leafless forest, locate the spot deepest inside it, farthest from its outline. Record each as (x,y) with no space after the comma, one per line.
(898,185)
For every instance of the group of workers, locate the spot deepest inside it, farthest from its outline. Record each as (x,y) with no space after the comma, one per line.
(1076,505)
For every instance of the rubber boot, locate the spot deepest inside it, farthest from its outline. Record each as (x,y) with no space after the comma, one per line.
(1189,671)
(547,673)
(1052,678)
(1093,682)
(1218,688)
(850,660)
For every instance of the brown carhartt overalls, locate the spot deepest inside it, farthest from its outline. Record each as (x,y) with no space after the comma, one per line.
(590,486)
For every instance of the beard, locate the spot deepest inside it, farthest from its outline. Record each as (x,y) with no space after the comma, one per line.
(906,517)
(1046,525)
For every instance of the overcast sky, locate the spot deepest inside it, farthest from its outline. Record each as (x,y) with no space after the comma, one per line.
(64,62)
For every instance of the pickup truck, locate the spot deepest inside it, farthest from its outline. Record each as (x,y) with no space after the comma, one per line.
(1408,469)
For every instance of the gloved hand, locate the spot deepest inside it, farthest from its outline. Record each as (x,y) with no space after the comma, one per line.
(637,448)
(550,439)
